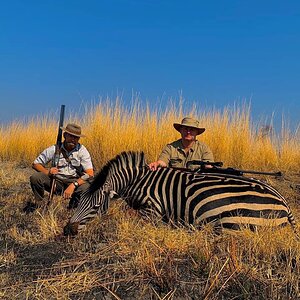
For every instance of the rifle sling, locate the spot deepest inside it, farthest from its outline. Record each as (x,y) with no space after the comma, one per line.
(78,168)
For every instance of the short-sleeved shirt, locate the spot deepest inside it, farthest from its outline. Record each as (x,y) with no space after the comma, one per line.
(174,155)
(76,158)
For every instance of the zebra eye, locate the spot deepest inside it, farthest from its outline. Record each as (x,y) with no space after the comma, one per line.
(105,194)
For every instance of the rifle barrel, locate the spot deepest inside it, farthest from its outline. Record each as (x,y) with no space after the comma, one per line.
(238,172)
(61,123)
(59,136)
(55,159)
(262,173)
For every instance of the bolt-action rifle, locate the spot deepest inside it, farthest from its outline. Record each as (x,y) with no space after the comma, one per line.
(217,168)
(55,159)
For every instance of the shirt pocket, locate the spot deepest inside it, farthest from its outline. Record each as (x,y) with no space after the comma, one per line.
(74,162)
(175,162)
(62,163)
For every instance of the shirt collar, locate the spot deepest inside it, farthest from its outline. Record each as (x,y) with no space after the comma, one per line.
(180,146)
(75,149)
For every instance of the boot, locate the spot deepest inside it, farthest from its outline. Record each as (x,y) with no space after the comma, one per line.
(30,207)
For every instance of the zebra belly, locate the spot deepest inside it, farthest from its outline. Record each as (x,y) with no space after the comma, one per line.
(253,210)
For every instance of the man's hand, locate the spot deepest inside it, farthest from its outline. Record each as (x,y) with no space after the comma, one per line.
(46,171)
(154,165)
(207,166)
(53,171)
(69,191)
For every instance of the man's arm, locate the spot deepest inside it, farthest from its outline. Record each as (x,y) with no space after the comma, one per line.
(86,163)
(163,159)
(207,154)
(81,180)
(43,159)
(41,168)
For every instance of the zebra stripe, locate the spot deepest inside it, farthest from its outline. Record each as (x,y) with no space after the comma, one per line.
(182,197)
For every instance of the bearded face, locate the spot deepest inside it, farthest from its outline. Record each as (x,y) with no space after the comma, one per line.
(70,141)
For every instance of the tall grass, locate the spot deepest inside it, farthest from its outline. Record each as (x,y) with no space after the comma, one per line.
(120,255)
(111,128)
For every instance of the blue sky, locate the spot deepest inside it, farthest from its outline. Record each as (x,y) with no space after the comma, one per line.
(216,53)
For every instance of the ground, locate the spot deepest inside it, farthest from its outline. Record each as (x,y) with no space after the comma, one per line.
(37,262)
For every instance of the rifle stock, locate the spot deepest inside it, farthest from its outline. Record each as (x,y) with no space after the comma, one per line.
(55,159)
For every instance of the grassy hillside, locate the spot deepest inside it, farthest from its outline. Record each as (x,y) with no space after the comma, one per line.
(121,256)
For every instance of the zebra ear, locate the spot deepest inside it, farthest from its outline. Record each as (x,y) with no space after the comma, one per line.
(108,191)
(113,194)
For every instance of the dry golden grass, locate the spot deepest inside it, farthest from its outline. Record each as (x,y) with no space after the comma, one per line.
(110,129)
(120,255)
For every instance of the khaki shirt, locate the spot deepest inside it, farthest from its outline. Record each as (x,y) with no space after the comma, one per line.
(174,156)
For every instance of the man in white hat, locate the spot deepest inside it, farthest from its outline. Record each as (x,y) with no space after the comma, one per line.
(188,148)
(72,172)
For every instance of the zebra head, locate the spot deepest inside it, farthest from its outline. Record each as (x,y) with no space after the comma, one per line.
(89,206)
(108,182)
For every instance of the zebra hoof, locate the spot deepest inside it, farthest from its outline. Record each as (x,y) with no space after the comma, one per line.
(71,229)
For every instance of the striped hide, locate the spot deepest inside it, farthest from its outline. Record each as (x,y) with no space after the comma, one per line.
(182,197)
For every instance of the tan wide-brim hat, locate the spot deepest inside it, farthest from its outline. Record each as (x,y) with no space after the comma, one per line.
(73,129)
(189,122)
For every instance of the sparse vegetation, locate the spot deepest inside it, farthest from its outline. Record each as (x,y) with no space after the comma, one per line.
(121,256)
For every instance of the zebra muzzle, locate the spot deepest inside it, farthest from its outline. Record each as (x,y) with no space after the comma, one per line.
(71,229)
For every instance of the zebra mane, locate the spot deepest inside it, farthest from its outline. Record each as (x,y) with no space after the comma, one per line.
(134,159)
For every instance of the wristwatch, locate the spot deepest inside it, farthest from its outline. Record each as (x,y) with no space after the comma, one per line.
(76,183)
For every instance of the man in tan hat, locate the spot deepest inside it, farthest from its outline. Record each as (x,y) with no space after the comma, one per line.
(73,170)
(186,149)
